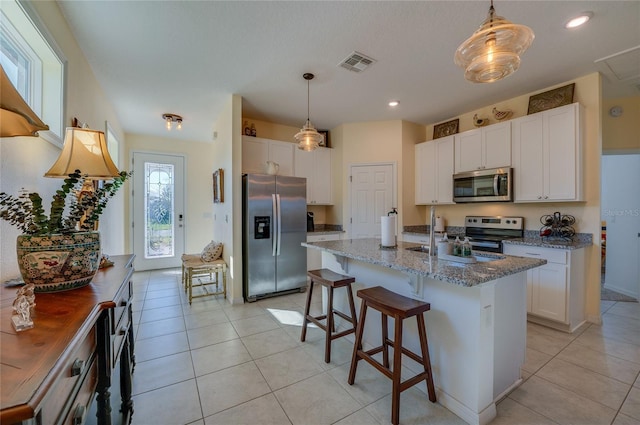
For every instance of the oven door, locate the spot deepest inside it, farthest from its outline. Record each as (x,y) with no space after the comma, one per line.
(483,186)
(484,245)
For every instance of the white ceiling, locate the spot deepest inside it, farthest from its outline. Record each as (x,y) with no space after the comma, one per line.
(188,57)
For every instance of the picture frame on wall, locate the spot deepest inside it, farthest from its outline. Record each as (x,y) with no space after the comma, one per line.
(446,128)
(218,186)
(325,140)
(551,99)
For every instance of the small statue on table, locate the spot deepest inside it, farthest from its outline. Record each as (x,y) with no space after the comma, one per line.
(24,306)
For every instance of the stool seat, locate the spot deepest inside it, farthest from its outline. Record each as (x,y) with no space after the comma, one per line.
(193,267)
(391,304)
(331,280)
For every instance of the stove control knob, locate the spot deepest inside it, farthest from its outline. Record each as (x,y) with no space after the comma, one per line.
(508,221)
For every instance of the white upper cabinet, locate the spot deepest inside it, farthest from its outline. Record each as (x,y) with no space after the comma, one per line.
(316,167)
(547,156)
(257,151)
(485,147)
(434,171)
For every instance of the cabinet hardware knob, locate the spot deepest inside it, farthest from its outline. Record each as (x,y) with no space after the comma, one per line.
(123,331)
(77,367)
(123,303)
(539,197)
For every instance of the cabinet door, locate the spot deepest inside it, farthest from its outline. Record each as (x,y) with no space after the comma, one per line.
(561,155)
(322,177)
(282,154)
(496,150)
(424,158)
(304,167)
(468,151)
(255,154)
(549,292)
(528,158)
(443,171)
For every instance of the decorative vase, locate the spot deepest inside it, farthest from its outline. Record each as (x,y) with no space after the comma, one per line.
(58,262)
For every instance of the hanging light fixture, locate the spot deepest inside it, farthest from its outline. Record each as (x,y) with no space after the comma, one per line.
(493,51)
(308,137)
(172,118)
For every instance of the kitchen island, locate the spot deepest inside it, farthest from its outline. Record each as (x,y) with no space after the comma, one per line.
(477,322)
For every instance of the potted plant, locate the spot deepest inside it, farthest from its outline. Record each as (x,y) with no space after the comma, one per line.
(62,250)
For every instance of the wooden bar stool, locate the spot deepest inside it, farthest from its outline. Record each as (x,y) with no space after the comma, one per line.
(389,303)
(330,280)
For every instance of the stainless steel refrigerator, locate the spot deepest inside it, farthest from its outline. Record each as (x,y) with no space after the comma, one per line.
(274,213)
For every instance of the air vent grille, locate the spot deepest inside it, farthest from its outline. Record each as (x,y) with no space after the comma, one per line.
(357,62)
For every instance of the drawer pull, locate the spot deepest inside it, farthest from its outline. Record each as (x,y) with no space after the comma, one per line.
(533,253)
(78,415)
(123,303)
(123,331)
(77,367)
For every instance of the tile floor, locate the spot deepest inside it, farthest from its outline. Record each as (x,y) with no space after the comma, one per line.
(213,363)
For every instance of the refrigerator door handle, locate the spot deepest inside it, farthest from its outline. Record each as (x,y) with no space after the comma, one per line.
(279,224)
(274,214)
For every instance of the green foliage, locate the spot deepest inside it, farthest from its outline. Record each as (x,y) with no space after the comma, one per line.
(83,209)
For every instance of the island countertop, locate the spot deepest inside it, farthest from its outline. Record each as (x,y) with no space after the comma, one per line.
(420,263)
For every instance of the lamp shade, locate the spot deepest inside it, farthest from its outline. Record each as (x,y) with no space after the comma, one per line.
(308,137)
(84,150)
(16,117)
(493,51)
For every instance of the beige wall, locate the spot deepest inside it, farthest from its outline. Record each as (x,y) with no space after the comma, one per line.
(24,160)
(622,134)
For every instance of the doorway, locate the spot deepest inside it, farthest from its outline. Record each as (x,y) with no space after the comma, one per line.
(372,196)
(620,212)
(158,210)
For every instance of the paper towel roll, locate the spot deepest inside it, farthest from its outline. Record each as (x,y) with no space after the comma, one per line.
(388,230)
(439,227)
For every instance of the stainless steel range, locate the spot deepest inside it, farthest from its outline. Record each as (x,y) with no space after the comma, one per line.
(487,233)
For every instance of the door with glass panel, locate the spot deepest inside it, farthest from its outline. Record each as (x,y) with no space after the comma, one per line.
(158,210)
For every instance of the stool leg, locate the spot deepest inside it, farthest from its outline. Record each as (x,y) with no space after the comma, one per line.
(396,373)
(306,312)
(352,307)
(329,330)
(190,283)
(425,357)
(224,281)
(358,343)
(385,340)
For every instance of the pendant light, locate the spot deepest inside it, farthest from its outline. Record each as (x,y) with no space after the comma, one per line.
(493,51)
(308,137)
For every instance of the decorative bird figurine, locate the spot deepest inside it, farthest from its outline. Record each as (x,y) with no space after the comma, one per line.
(480,122)
(502,115)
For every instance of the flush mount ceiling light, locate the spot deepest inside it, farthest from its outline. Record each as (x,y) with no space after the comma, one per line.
(308,137)
(578,20)
(493,51)
(394,103)
(172,118)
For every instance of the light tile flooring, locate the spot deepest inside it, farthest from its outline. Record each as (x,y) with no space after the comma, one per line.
(213,363)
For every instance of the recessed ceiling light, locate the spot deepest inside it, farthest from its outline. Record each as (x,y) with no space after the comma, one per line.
(579,20)
(394,103)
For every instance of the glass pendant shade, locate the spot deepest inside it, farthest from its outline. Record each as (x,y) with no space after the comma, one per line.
(493,51)
(84,150)
(308,137)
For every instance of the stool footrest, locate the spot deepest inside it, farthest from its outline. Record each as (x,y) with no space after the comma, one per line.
(368,357)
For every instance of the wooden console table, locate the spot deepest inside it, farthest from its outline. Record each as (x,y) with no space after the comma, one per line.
(63,368)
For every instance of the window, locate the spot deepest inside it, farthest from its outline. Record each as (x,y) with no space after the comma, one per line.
(34,65)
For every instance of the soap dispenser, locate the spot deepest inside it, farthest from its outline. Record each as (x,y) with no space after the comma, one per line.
(466,248)
(457,247)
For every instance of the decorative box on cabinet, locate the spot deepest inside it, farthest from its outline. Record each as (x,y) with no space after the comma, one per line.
(485,147)
(434,171)
(547,155)
(314,256)
(257,151)
(62,370)
(555,291)
(316,167)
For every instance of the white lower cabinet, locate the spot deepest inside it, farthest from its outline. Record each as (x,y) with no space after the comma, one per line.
(314,256)
(555,291)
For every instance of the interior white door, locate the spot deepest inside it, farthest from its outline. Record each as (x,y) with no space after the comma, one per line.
(372,196)
(158,210)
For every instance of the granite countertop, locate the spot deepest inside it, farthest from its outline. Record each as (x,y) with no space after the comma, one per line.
(549,243)
(325,232)
(420,263)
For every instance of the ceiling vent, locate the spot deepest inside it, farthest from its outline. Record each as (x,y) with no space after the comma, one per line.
(357,62)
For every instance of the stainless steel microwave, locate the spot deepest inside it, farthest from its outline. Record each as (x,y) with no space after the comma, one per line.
(493,185)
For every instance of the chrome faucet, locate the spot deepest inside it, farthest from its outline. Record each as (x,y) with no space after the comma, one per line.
(432,238)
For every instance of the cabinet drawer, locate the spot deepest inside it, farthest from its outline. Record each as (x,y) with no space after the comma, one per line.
(558,256)
(72,373)
(120,322)
(80,407)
